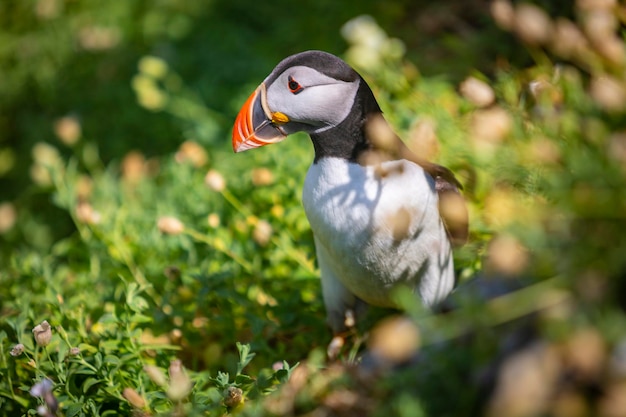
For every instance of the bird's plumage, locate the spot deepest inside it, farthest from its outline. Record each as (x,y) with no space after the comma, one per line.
(374,232)
(374,207)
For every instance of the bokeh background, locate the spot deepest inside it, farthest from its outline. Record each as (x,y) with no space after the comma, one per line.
(147,270)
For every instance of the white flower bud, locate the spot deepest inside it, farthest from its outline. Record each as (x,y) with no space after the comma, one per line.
(395,339)
(490,127)
(156,375)
(213,220)
(503,13)
(568,41)
(262,176)
(68,130)
(233,396)
(262,232)
(133,398)
(532,24)
(43,333)
(86,214)
(609,93)
(192,152)
(180,383)
(215,181)
(507,255)
(477,91)
(170,225)
(8,217)
(17,350)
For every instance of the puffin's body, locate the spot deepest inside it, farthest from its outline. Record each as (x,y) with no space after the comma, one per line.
(354,213)
(374,207)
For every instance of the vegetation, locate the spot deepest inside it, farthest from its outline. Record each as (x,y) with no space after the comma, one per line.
(146,270)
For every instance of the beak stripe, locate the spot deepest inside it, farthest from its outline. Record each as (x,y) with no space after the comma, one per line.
(245,134)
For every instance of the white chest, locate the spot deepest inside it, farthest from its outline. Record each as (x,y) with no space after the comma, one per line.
(376,230)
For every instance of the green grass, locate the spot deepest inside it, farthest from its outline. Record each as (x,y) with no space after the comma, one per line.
(141,259)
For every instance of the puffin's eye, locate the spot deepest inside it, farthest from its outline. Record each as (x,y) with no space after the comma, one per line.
(294,86)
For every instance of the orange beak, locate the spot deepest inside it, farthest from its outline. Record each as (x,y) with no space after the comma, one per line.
(256,125)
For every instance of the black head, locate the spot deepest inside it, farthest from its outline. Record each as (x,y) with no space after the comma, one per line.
(315,92)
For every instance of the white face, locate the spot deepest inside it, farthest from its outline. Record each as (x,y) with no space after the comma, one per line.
(311,98)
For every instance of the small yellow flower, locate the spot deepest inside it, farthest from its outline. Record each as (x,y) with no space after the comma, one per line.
(148,93)
(277,211)
(153,66)
(46,155)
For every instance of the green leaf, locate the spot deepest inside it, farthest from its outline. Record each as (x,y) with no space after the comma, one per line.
(84,348)
(109,345)
(222,380)
(138,304)
(73,409)
(282,375)
(90,382)
(108,318)
(140,318)
(98,359)
(112,360)
(84,371)
(243,380)
(245,356)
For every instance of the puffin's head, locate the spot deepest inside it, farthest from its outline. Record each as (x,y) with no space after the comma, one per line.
(312,91)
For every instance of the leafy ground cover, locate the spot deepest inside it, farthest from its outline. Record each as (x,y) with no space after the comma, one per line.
(170,277)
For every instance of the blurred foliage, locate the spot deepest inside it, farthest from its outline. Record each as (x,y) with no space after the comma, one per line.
(127,225)
(75,58)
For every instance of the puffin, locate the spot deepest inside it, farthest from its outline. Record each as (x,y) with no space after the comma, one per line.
(382,217)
